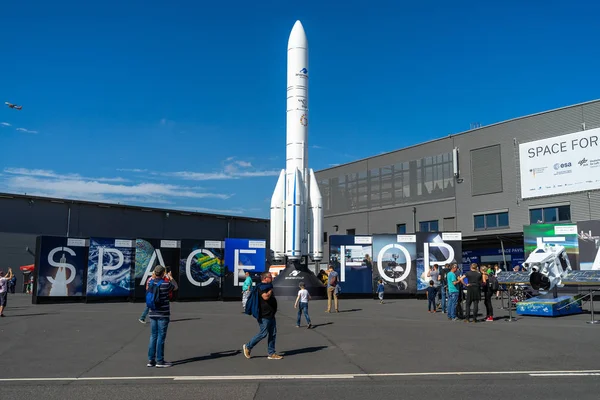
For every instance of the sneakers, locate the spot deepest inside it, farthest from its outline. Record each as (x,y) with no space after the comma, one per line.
(309,326)
(489,319)
(142,321)
(164,364)
(275,356)
(246,351)
(297,326)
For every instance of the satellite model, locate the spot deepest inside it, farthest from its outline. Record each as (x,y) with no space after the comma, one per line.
(10,105)
(548,265)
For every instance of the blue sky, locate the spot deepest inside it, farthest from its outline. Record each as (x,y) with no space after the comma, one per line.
(181,104)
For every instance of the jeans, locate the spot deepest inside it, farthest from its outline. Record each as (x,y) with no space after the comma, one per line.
(145,314)
(268,326)
(303,307)
(443,295)
(431,303)
(452,302)
(156,349)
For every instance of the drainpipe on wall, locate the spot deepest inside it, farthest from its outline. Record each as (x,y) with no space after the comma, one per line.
(69,221)
(414,219)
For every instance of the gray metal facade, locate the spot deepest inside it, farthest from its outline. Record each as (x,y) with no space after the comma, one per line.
(23,218)
(416,184)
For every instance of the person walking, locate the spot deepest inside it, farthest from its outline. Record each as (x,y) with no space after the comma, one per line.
(266,319)
(302,301)
(160,317)
(380,290)
(332,283)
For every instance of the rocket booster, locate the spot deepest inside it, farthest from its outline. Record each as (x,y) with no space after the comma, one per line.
(297,205)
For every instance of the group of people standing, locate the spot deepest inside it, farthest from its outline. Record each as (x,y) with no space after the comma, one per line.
(453,287)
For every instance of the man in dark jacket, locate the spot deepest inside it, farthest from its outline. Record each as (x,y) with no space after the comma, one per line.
(266,320)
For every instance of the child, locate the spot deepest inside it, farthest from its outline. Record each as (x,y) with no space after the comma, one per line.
(380,290)
(303,298)
(431,295)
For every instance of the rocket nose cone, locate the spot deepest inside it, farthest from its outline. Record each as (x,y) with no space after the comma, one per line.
(297,36)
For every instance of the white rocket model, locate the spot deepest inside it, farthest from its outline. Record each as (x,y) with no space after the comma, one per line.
(297,205)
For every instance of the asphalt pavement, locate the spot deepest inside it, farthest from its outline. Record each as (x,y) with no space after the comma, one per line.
(368,350)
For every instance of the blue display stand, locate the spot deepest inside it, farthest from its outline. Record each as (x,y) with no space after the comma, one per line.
(548,306)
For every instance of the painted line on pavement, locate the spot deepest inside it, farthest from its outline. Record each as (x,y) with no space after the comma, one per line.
(536,373)
(569,374)
(256,377)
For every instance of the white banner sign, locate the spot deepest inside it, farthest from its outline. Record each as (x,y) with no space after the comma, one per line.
(562,164)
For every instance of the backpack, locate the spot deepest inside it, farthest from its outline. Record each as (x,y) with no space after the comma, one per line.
(493,284)
(153,295)
(252,304)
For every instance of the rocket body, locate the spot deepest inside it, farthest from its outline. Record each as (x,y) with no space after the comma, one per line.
(296,205)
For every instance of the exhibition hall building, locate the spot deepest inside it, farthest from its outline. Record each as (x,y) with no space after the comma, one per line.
(486,183)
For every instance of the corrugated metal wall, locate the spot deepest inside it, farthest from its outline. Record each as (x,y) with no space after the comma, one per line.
(462,201)
(22,219)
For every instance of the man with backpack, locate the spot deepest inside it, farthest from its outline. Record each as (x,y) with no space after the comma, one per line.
(262,305)
(332,288)
(157,300)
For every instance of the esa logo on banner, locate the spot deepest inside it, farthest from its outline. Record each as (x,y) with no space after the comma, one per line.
(61,266)
(110,265)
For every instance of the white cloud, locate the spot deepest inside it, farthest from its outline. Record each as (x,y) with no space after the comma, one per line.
(137,170)
(197,176)
(213,210)
(51,174)
(5,124)
(248,174)
(26,130)
(244,164)
(314,146)
(84,189)
(231,170)
(145,200)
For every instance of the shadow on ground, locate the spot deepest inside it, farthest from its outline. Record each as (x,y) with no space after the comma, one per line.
(211,356)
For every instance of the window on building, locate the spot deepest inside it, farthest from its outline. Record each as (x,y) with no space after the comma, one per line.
(483,222)
(400,229)
(550,214)
(324,237)
(429,226)
(350,231)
